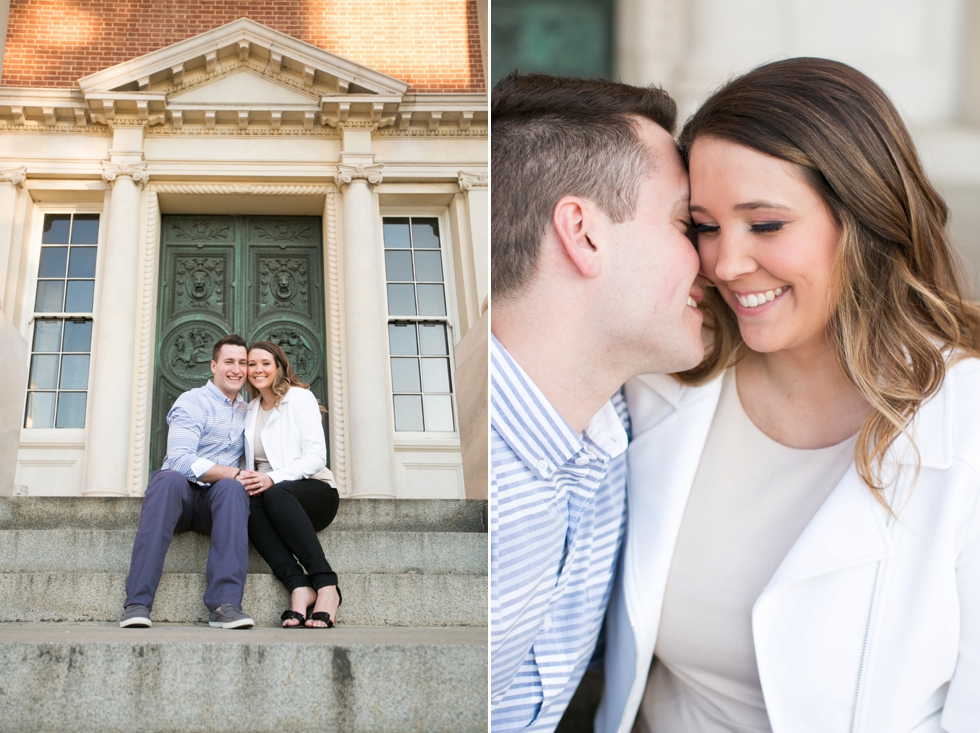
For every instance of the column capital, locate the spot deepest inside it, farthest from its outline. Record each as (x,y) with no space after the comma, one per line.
(16,176)
(136,171)
(469,181)
(348,173)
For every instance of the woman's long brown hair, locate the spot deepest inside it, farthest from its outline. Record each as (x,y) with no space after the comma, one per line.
(899,314)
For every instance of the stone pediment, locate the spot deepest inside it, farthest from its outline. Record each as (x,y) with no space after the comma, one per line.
(243,88)
(240,77)
(241,43)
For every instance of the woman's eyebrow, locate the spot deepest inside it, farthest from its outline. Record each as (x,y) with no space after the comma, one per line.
(752,205)
(747,206)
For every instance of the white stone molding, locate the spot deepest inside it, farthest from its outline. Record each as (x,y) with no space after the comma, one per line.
(144,365)
(338,419)
(136,171)
(16,176)
(241,188)
(470,132)
(469,181)
(338,414)
(357,124)
(348,173)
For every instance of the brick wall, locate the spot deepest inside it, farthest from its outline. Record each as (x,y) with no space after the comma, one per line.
(434,45)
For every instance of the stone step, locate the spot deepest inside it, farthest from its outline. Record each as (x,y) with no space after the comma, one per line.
(109,551)
(64,678)
(355,515)
(378,599)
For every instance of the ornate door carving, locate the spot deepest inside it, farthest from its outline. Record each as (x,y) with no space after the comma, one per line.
(260,277)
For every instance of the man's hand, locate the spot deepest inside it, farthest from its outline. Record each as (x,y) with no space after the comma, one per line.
(216,473)
(255,482)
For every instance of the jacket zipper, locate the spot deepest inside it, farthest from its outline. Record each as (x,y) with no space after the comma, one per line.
(636,674)
(633,628)
(852,728)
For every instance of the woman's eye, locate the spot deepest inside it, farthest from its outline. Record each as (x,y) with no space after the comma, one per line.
(766,227)
(704,228)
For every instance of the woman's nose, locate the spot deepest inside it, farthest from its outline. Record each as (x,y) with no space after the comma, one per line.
(735,258)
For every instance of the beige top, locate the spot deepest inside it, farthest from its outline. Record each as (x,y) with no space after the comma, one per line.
(752,498)
(261,459)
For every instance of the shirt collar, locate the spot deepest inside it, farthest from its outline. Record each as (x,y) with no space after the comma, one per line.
(534,429)
(217,394)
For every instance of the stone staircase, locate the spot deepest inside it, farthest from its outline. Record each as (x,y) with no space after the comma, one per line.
(409,653)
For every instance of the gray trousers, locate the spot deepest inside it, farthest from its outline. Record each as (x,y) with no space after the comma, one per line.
(174,504)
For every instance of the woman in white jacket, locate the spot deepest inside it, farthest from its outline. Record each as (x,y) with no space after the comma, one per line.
(803,548)
(292,496)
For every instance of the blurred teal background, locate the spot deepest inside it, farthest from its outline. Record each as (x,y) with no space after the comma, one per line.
(563,37)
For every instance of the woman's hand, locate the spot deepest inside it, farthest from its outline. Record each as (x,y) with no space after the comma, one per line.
(255,482)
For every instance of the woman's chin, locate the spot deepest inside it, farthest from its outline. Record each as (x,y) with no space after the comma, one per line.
(763,342)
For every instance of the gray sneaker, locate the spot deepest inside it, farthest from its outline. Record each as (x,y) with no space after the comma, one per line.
(136,615)
(230,616)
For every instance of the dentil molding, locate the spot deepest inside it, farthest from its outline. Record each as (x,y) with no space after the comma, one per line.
(16,176)
(469,181)
(348,173)
(136,171)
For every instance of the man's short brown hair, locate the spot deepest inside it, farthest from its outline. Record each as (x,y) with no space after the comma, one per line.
(554,137)
(232,339)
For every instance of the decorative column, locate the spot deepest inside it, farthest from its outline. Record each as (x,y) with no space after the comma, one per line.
(370,445)
(113,353)
(474,187)
(11,181)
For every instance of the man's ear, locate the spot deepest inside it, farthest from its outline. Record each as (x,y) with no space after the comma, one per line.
(575,220)
(214,366)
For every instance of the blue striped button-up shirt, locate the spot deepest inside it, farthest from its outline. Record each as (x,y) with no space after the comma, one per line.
(206,429)
(557,509)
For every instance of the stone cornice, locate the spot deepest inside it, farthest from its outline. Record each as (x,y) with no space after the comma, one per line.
(136,171)
(346,174)
(72,111)
(469,181)
(16,176)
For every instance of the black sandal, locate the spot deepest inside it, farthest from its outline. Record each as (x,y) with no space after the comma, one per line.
(323,615)
(290,613)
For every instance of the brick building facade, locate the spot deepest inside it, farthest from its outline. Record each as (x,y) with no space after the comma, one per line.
(313,173)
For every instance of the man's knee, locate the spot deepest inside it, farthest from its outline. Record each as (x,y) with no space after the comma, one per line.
(228,490)
(166,485)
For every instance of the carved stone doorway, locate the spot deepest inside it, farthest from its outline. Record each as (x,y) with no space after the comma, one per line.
(257,276)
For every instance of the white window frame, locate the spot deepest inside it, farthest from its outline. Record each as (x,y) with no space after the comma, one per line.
(423,438)
(38,436)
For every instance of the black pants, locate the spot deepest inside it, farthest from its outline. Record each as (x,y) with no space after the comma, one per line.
(283,523)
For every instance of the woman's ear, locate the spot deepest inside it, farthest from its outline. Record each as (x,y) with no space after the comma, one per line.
(576,222)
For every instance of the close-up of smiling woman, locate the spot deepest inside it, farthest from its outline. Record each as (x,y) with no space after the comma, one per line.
(803,538)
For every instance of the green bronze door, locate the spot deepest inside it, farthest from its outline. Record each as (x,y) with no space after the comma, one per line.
(257,276)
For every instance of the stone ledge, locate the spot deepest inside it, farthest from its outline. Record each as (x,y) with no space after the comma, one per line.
(109,551)
(369,599)
(377,515)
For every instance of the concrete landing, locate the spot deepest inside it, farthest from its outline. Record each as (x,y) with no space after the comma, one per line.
(98,677)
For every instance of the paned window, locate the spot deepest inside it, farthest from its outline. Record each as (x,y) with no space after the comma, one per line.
(61,346)
(418,325)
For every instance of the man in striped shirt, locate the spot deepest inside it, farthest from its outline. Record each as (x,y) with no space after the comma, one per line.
(197,489)
(593,282)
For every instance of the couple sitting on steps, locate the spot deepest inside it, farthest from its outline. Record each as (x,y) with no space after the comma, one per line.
(279,501)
